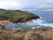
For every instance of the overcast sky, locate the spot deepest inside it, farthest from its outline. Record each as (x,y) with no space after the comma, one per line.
(28,5)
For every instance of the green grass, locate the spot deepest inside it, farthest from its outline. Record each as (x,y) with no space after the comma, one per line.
(15,13)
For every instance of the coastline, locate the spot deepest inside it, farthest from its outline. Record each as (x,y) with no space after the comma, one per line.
(4,21)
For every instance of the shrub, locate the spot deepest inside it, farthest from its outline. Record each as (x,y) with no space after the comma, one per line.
(39,37)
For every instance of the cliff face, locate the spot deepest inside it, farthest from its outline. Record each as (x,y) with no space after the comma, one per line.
(17,20)
(24,19)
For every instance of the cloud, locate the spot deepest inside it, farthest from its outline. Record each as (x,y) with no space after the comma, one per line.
(9,4)
(28,5)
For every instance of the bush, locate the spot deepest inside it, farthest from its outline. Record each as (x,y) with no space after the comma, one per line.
(38,37)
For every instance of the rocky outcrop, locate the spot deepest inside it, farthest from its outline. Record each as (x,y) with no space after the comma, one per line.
(24,19)
(2,27)
(17,20)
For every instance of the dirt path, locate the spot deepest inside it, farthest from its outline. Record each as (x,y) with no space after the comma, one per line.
(27,35)
(50,33)
(4,21)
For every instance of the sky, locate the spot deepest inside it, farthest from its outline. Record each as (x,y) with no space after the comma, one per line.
(27,5)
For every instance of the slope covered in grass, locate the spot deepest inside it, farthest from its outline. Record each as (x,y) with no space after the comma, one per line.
(17,15)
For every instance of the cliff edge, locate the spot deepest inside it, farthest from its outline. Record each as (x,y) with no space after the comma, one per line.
(16,16)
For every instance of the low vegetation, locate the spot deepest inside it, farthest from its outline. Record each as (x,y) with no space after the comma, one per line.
(15,14)
(24,35)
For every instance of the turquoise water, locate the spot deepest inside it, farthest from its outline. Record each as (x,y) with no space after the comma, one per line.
(46,20)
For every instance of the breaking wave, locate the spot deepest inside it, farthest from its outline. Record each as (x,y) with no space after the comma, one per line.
(40,22)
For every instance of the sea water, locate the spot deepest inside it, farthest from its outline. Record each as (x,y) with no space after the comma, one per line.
(45,20)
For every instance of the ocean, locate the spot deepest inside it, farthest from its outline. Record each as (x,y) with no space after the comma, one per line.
(46,20)
(47,16)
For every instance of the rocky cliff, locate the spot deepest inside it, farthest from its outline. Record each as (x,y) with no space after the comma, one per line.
(24,19)
(16,16)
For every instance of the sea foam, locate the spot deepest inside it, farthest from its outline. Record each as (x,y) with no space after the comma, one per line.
(39,22)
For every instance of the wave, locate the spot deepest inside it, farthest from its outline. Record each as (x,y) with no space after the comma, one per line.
(39,22)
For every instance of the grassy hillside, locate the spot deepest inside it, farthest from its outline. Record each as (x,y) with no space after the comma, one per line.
(17,15)
(14,13)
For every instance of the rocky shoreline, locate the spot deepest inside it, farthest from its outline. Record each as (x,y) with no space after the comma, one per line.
(24,19)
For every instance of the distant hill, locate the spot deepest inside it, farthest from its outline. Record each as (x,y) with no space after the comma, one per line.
(2,9)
